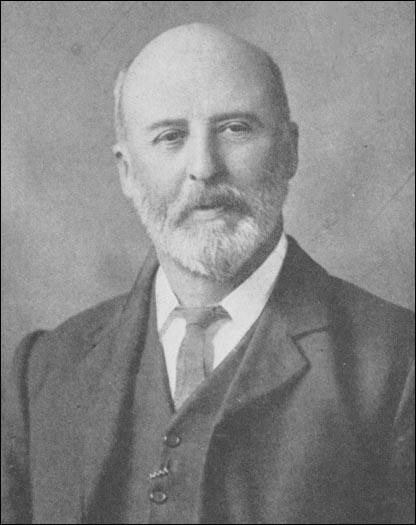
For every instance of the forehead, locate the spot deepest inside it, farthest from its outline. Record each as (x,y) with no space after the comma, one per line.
(196,85)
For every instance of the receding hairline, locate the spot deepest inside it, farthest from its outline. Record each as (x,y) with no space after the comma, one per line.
(269,62)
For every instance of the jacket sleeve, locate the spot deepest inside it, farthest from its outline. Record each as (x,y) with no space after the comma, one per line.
(15,472)
(401,490)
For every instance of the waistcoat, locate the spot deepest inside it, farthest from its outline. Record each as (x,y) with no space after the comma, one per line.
(168,448)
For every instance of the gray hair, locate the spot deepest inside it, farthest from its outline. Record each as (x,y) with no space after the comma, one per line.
(119,117)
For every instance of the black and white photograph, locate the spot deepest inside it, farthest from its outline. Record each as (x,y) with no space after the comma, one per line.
(208,262)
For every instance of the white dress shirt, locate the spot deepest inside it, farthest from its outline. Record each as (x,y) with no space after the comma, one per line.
(244,305)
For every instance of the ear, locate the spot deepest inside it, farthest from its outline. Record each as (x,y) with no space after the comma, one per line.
(292,153)
(123,161)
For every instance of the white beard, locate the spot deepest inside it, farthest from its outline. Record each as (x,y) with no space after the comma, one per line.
(214,249)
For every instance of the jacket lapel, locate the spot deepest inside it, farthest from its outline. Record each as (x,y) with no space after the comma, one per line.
(274,359)
(106,375)
(276,356)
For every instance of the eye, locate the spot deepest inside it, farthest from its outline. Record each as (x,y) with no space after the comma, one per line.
(170,137)
(236,128)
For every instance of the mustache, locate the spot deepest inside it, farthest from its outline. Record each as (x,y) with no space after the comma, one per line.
(224,197)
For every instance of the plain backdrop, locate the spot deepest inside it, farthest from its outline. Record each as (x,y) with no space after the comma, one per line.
(69,237)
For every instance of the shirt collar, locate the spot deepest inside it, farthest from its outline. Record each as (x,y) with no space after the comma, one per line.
(253,293)
(166,300)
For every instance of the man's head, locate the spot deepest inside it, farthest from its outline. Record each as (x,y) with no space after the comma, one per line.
(205,146)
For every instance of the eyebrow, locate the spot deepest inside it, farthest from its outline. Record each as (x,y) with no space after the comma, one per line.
(165,123)
(180,122)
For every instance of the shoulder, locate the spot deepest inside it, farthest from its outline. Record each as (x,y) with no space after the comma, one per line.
(88,323)
(369,314)
(374,335)
(64,346)
(370,305)
(375,345)
(357,307)
(372,340)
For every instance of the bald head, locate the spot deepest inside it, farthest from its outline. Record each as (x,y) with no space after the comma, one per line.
(205,147)
(191,61)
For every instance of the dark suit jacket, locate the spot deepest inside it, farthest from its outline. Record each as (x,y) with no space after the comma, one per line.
(316,425)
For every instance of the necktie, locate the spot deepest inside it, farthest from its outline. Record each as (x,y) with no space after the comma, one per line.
(194,361)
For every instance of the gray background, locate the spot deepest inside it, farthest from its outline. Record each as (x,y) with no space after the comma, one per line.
(70,239)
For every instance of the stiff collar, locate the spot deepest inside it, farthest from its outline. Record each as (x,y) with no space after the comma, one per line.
(90,403)
(244,304)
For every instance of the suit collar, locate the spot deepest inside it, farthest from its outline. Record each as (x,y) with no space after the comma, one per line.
(253,293)
(107,373)
(300,294)
(274,358)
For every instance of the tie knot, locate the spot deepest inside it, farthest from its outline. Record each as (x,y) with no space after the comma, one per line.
(202,316)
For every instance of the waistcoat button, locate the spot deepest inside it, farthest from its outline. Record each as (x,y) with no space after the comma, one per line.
(172,440)
(158,496)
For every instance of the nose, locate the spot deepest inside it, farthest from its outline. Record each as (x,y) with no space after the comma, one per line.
(203,161)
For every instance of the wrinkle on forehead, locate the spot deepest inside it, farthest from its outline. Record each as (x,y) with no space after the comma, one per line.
(189,61)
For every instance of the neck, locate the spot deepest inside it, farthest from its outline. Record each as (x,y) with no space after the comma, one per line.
(194,290)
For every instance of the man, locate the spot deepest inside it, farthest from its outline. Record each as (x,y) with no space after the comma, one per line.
(237,382)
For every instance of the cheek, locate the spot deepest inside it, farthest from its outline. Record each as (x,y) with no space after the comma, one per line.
(158,176)
(253,163)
